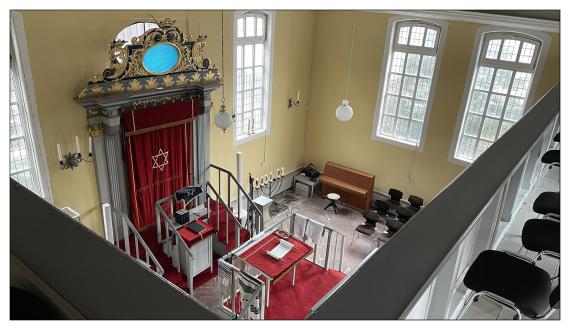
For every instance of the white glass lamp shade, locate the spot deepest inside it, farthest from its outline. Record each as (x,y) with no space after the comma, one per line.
(223,119)
(344,111)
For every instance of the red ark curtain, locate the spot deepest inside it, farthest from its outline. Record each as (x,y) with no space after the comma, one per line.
(159,161)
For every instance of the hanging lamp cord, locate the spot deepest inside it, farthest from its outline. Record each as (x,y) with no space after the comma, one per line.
(350,56)
(223,76)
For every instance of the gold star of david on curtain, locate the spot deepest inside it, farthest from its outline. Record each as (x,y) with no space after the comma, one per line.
(164,159)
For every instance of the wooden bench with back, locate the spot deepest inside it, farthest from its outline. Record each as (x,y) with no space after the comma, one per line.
(354,186)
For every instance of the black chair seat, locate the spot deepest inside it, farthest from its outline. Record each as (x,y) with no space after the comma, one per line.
(365,229)
(393,225)
(371,217)
(551,156)
(526,285)
(381,206)
(404,214)
(541,235)
(547,202)
(557,137)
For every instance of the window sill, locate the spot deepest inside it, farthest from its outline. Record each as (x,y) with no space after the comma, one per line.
(459,161)
(398,143)
(248,138)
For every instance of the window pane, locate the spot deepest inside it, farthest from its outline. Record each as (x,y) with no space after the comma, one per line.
(493,49)
(403,36)
(510,50)
(430,38)
(472,125)
(496,104)
(394,83)
(466,147)
(415,131)
(247,104)
(521,84)
(388,125)
(527,52)
(239,80)
(417,36)
(250,27)
(428,64)
(405,108)
(514,108)
(239,57)
(248,79)
(484,78)
(258,54)
(481,147)
(260,27)
(391,105)
(423,89)
(15,122)
(25,179)
(239,103)
(258,77)
(413,64)
(419,110)
(502,81)
(398,59)
(478,101)
(505,126)
(240,28)
(401,128)
(248,56)
(409,86)
(489,129)
(258,98)
(18,155)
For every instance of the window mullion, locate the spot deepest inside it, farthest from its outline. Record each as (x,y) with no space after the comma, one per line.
(484,115)
(507,97)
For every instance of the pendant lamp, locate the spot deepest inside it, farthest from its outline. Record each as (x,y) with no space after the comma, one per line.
(344,110)
(224,118)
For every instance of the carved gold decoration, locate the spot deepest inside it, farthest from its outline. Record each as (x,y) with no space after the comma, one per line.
(117,87)
(157,101)
(168,81)
(82,93)
(135,86)
(96,90)
(196,77)
(96,130)
(181,80)
(151,83)
(210,76)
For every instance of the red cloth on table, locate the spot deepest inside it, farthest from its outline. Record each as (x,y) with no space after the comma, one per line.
(159,162)
(258,257)
(191,238)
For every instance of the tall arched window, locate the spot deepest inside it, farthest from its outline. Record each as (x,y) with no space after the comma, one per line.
(134,30)
(498,95)
(252,63)
(407,87)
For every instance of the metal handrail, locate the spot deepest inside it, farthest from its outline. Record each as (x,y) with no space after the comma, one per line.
(138,239)
(240,187)
(179,242)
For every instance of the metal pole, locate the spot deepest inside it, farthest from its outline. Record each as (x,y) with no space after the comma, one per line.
(327,251)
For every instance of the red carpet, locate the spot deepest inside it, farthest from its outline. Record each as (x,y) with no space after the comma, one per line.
(312,283)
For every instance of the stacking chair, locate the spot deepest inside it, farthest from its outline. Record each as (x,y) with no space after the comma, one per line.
(551,157)
(512,281)
(404,214)
(367,228)
(381,207)
(542,236)
(393,226)
(395,198)
(557,137)
(548,204)
(415,203)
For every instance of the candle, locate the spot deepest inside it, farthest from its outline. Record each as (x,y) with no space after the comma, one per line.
(270,176)
(266,179)
(77,145)
(59,153)
(282,170)
(298,96)
(90,146)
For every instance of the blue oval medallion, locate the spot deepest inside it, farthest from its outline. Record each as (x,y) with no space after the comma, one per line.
(160,58)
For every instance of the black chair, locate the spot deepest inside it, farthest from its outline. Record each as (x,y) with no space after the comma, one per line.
(542,236)
(381,207)
(368,227)
(511,281)
(393,225)
(557,137)
(415,203)
(551,157)
(395,198)
(404,214)
(547,204)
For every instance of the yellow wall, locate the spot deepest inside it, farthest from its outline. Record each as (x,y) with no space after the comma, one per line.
(421,173)
(66,48)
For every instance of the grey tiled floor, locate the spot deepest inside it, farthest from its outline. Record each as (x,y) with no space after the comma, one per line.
(485,309)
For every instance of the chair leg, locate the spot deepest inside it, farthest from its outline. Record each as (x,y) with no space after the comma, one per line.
(468,302)
(352,241)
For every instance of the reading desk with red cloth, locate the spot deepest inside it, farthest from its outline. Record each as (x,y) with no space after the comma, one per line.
(200,245)
(272,269)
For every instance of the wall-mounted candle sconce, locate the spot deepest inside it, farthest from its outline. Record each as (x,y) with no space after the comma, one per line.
(72,160)
(294,103)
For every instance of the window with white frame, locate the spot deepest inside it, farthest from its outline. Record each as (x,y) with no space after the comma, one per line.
(252,70)
(134,30)
(499,91)
(24,166)
(408,84)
